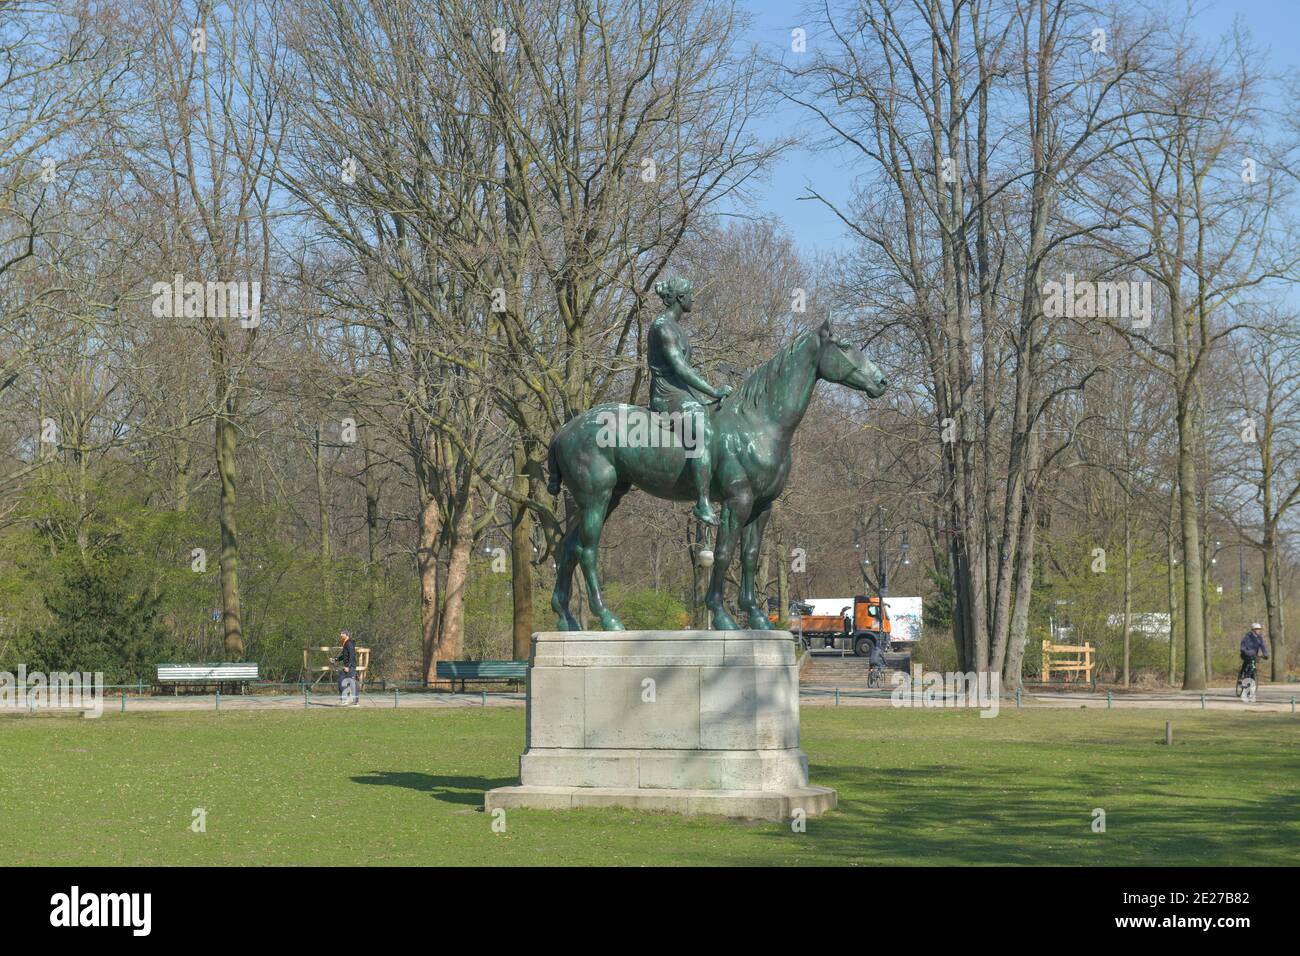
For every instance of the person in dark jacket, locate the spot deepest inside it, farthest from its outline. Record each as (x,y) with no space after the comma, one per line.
(1252,647)
(348,676)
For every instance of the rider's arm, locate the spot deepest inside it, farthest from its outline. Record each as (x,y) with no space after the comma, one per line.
(675,357)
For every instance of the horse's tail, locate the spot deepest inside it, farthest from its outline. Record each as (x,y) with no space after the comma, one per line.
(552,469)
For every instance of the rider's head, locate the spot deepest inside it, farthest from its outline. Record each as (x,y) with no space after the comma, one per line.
(675,291)
(1257,627)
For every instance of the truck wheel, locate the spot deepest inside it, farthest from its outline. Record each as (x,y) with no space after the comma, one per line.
(863,646)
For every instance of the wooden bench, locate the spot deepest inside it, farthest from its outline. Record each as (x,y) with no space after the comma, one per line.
(219,674)
(480,671)
(317,673)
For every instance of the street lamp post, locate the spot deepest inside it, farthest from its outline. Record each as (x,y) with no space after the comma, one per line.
(882,571)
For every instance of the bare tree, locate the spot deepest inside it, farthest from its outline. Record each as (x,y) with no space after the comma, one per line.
(1268,383)
(919,93)
(1199,228)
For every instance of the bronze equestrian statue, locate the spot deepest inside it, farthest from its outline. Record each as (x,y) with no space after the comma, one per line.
(599,455)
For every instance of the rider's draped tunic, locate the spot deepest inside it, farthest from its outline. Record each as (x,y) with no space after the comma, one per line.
(668,391)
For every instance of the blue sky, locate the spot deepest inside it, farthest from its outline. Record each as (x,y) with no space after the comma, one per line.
(1274,25)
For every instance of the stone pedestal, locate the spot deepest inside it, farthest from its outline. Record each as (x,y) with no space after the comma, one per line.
(684,721)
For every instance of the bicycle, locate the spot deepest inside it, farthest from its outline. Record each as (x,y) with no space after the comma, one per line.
(1247,684)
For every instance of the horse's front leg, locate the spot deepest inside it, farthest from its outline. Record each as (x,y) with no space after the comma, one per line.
(751,546)
(736,506)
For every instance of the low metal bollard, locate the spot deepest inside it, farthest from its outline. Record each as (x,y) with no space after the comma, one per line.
(1109,701)
(123,702)
(1202,702)
(217,699)
(1017,698)
(482,699)
(837,697)
(394,696)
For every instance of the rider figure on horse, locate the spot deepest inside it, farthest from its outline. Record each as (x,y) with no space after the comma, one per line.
(675,387)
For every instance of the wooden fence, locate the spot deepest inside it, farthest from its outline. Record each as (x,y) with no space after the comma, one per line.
(1067,659)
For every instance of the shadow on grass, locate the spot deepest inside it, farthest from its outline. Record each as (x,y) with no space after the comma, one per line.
(943,814)
(466,791)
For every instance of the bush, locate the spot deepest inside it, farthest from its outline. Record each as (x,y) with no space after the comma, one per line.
(646,609)
(104,618)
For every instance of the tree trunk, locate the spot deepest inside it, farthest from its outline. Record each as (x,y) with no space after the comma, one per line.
(426,560)
(1281,611)
(231,623)
(1006,564)
(181,479)
(322,497)
(1207,588)
(1272,606)
(782,579)
(521,565)
(451,630)
(1193,618)
(1172,584)
(372,535)
(1128,590)
(1013,671)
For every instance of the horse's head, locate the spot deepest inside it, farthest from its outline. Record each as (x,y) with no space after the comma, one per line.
(841,363)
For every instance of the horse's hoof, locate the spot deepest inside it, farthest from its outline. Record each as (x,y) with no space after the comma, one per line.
(610,623)
(722,621)
(758,622)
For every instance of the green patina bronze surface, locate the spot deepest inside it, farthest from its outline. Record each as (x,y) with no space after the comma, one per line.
(695,437)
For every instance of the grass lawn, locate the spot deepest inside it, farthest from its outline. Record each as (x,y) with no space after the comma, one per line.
(406,787)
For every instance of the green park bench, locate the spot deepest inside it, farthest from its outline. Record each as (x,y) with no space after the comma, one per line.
(480,671)
(177,674)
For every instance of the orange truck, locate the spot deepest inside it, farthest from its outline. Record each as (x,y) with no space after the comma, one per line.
(860,627)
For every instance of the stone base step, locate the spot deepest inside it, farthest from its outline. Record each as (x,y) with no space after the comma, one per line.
(772,770)
(774,805)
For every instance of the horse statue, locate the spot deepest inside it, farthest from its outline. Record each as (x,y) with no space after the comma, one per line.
(601,454)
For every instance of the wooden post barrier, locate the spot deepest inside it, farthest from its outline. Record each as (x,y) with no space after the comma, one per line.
(315,673)
(1073,659)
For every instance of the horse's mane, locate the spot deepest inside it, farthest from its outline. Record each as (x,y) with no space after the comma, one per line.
(754,391)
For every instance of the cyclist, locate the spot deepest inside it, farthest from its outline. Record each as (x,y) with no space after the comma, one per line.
(1252,647)
(875,665)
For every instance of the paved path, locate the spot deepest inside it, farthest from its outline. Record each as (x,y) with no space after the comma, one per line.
(830,679)
(824,676)
(207,702)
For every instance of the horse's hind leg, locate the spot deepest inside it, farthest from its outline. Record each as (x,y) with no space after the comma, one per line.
(564,567)
(570,550)
(751,544)
(591,519)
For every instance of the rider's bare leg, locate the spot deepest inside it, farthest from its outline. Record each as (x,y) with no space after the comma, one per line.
(700,465)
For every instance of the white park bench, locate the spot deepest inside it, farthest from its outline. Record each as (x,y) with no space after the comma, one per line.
(219,674)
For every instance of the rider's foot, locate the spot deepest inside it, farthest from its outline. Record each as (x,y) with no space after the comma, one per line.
(704,512)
